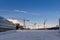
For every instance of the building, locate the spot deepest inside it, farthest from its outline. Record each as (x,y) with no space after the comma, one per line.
(21,25)
(14,21)
(5,24)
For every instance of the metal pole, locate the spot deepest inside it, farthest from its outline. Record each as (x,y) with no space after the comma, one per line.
(24,23)
(59,25)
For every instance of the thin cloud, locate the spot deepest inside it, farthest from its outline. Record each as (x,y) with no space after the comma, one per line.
(19,11)
(35,14)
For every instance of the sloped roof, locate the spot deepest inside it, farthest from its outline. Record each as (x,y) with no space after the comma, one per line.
(4,21)
(16,21)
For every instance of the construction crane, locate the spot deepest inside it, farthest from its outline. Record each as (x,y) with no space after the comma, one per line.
(24,20)
(45,23)
(34,24)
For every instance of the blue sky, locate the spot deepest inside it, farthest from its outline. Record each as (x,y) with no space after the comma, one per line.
(34,10)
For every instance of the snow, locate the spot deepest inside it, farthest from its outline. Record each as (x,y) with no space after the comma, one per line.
(30,35)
